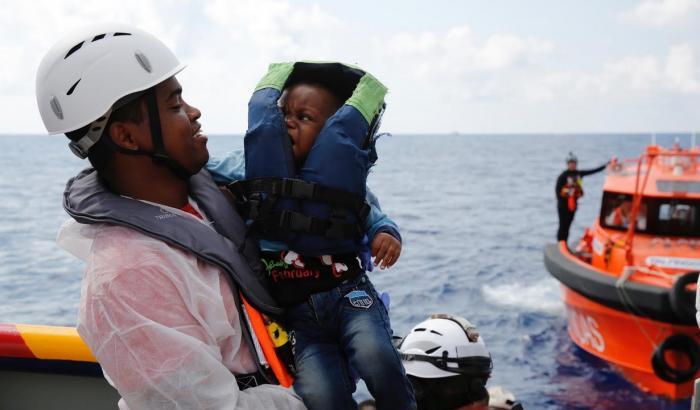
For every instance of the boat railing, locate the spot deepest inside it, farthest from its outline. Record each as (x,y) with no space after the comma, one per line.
(679,161)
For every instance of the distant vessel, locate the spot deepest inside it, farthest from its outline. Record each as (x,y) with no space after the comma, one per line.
(629,285)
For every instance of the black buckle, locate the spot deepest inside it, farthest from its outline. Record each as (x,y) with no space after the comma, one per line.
(238,190)
(297,188)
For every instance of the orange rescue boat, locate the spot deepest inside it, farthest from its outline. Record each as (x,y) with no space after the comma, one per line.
(629,286)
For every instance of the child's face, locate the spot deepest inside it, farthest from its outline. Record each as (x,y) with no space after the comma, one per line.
(306,110)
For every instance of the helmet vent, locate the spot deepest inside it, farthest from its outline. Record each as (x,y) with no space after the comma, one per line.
(98,37)
(74,49)
(121,34)
(56,107)
(436,332)
(141,58)
(72,88)
(419,329)
(429,351)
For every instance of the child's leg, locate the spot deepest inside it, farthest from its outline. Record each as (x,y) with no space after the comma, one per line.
(365,335)
(322,378)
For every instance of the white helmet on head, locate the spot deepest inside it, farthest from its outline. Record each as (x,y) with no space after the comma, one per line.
(445,346)
(85,73)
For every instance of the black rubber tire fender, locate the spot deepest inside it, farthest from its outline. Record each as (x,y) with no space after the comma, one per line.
(682,301)
(678,343)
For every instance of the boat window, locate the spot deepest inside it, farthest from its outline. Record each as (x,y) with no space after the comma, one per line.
(657,216)
(692,187)
(680,217)
(617,212)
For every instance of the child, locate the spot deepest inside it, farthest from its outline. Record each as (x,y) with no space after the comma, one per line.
(334,312)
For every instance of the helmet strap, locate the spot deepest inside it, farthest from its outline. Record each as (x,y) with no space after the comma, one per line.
(159,155)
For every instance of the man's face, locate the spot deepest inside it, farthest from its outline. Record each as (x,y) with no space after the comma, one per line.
(571,165)
(305,112)
(182,136)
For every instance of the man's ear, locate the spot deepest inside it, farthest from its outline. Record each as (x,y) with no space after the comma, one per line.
(124,135)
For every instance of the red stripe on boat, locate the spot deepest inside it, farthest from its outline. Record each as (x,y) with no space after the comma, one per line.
(12,344)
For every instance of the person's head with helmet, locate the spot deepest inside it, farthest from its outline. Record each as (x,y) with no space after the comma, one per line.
(571,161)
(111,89)
(448,364)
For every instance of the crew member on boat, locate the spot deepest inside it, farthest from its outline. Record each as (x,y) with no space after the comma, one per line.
(569,189)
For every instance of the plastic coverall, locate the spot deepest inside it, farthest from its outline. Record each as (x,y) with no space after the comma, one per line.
(163,324)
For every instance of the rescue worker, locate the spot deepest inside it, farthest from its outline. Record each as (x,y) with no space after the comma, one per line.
(568,190)
(166,253)
(448,364)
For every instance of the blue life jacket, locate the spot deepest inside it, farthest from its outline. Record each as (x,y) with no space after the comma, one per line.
(318,209)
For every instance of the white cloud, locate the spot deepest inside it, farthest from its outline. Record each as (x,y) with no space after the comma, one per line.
(680,72)
(458,51)
(662,12)
(456,78)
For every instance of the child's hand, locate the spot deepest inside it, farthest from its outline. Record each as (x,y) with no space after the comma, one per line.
(386,250)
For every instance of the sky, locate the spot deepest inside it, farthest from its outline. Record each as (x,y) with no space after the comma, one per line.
(487,66)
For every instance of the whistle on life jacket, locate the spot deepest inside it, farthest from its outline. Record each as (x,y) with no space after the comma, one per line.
(274,343)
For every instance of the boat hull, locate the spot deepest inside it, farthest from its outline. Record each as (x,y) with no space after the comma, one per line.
(600,322)
(22,390)
(626,341)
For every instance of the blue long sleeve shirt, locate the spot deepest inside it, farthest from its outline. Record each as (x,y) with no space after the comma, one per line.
(231,168)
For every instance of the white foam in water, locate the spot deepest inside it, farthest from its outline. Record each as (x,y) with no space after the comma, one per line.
(542,296)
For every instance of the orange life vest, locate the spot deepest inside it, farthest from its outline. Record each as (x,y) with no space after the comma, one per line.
(572,191)
(274,343)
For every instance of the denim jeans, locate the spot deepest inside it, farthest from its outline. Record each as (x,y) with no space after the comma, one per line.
(346,325)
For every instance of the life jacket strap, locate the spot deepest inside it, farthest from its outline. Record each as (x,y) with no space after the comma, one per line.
(293,188)
(256,199)
(290,221)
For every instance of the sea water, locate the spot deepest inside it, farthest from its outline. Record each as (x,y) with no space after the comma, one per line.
(475,212)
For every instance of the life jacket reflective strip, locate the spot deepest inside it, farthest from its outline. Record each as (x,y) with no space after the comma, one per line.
(226,246)
(340,157)
(269,345)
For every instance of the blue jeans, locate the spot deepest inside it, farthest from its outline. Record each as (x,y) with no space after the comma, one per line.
(346,325)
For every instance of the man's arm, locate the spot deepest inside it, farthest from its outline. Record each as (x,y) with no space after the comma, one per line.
(584,172)
(157,333)
(559,185)
(228,169)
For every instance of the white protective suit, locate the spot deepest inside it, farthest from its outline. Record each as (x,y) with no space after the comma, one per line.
(163,324)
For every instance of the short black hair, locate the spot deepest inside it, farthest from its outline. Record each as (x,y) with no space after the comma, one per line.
(340,97)
(101,155)
(447,393)
(337,78)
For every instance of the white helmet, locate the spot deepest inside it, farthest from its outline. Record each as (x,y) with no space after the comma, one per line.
(445,346)
(86,72)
